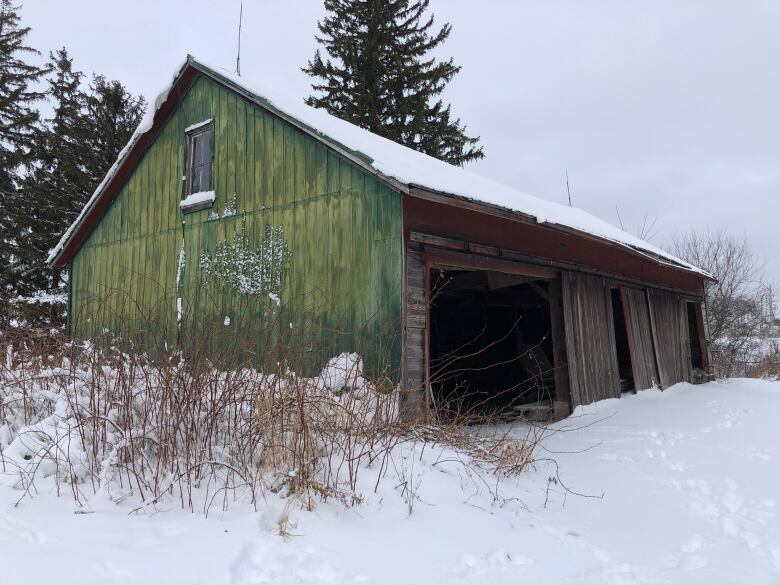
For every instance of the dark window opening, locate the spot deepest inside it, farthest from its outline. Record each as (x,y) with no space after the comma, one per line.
(697,355)
(490,349)
(199,159)
(625,369)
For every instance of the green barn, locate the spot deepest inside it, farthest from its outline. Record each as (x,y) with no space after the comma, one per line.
(237,210)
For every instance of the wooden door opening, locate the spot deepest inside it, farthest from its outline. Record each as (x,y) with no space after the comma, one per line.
(622,343)
(696,339)
(490,343)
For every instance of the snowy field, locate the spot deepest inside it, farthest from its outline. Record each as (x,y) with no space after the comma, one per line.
(677,487)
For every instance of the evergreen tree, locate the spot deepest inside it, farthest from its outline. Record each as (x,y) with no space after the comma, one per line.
(379,74)
(73,152)
(18,117)
(56,183)
(112,115)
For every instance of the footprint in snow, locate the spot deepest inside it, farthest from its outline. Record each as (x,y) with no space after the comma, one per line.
(776,558)
(599,554)
(13,529)
(752,540)
(270,560)
(733,501)
(470,565)
(694,562)
(758,454)
(625,574)
(110,572)
(693,544)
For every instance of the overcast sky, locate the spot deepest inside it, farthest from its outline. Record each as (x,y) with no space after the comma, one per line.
(669,108)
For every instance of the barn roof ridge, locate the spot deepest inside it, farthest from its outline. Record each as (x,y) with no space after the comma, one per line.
(399,166)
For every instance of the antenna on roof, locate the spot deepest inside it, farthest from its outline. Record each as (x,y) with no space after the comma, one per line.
(568,191)
(238,54)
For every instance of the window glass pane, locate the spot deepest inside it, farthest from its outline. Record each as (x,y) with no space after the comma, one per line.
(197,149)
(194,146)
(206,146)
(200,161)
(201,150)
(206,176)
(193,188)
(195,184)
(204,172)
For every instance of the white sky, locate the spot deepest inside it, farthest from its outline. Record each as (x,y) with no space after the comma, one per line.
(664,108)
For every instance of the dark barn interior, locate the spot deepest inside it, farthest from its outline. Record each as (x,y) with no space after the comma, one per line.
(625,369)
(697,355)
(490,341)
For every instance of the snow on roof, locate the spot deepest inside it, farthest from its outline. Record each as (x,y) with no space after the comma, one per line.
(404,165)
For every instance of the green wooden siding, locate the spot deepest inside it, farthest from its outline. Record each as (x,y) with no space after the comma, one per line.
(342,288)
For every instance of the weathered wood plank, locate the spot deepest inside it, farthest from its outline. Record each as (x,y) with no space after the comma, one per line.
(416,310)
(670,335)
(590,338)
(640,335)
(562,398)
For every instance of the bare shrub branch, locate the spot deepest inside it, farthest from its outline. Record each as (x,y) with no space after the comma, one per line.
(736,302)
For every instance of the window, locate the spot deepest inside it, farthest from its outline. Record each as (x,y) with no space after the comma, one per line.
(200,146)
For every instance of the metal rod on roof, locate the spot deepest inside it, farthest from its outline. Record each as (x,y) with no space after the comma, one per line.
(238,54)
(567,186)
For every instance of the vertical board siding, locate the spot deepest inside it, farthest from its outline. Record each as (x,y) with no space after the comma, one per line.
(415,367)
(640,337)
(560,358)
(590,338)
(704,335)
(670,334)
(341,290)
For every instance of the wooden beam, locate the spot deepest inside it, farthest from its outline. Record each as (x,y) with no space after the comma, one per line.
(562,396)
(499,280)
(446,243)
(414,400)
(472,280)
(427,241)
(456,260)
(539,290)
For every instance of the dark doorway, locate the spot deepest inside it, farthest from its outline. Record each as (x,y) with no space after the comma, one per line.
(694,335)
(622,347)
(490,344)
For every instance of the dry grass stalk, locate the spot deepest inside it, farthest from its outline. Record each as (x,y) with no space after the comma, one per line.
(101,419)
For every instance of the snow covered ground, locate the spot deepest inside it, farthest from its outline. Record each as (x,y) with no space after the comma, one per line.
(682,487)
